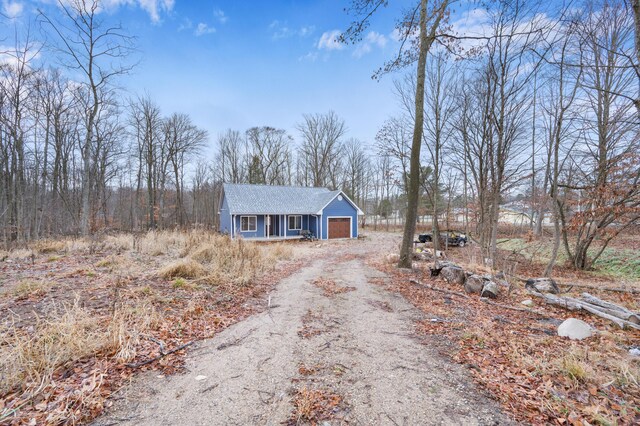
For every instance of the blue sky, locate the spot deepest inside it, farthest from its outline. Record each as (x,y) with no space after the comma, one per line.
(238,64)
(241,64)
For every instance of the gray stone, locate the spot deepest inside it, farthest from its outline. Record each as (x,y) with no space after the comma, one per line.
(575,329)
(453,274)
(474,284)
(528,303)
(490,289)
(542,285)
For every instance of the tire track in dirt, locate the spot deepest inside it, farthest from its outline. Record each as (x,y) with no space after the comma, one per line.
(361,359)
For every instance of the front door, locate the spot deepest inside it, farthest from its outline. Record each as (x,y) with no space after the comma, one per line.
(273,225)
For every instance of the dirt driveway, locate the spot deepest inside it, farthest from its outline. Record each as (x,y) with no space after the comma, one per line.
(354,352)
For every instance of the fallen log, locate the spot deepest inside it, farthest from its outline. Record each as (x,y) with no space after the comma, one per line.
(625,314)
(593,287)
(514,308)
(577,305)
(427,286)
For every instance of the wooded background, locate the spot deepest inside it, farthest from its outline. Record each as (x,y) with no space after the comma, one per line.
(542,108)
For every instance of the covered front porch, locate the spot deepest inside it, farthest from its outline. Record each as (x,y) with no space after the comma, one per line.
(275,226)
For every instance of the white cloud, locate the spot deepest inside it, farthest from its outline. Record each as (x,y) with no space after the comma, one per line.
(306,31)
(203,29)
(280,30)
(373,39)
(220,16)
(155,8)
(12,9)
(329,40)
(185,25)
(310,57)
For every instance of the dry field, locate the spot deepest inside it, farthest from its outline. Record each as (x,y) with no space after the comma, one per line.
(79,317)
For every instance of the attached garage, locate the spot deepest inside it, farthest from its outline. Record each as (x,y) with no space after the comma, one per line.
(339,227)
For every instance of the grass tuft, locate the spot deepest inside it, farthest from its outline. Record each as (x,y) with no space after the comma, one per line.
(184,268)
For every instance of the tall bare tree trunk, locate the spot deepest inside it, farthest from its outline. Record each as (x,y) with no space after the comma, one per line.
(426,40)
(636,17)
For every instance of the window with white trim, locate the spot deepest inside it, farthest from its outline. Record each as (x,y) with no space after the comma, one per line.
(295,223)
(248,223)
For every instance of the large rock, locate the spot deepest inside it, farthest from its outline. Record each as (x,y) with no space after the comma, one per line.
(453,274)
(393,258)
(542,285)
(474,284)
(575,329)
(490,289)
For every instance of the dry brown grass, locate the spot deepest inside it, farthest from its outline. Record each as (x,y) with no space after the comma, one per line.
(69,334)
(184,268)
(26,288)
(49,246)
(32,356)
(21,254)
(279,251)
(65,355)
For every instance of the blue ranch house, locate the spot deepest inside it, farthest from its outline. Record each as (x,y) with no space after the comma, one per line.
(281,212)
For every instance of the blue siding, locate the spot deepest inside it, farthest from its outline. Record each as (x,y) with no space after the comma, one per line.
(225,217)
(339,208)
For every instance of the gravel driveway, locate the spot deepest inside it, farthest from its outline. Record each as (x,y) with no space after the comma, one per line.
(358,345)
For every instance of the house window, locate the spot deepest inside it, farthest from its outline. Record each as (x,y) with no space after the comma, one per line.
(248,224)
(295,223)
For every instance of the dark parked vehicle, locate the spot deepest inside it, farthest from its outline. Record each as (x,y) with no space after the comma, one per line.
(450,238)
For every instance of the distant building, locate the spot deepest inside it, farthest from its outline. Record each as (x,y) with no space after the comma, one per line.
(281,212)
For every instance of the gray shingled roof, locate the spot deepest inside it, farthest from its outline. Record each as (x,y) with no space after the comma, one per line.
(267,199)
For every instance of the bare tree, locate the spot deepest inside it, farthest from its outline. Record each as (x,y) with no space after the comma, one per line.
(322,146)
(440,106)
(604,184)
(230,154)
(96,51)
(268,156)
(182,140)
(416,22)
(146,124)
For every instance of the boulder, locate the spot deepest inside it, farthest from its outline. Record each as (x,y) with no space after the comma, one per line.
(453,274)
(474,284)
(542,285)
(490,289)
(393,258)
(528,303)
(575,329)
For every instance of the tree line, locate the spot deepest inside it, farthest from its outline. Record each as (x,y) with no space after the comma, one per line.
(543,104)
